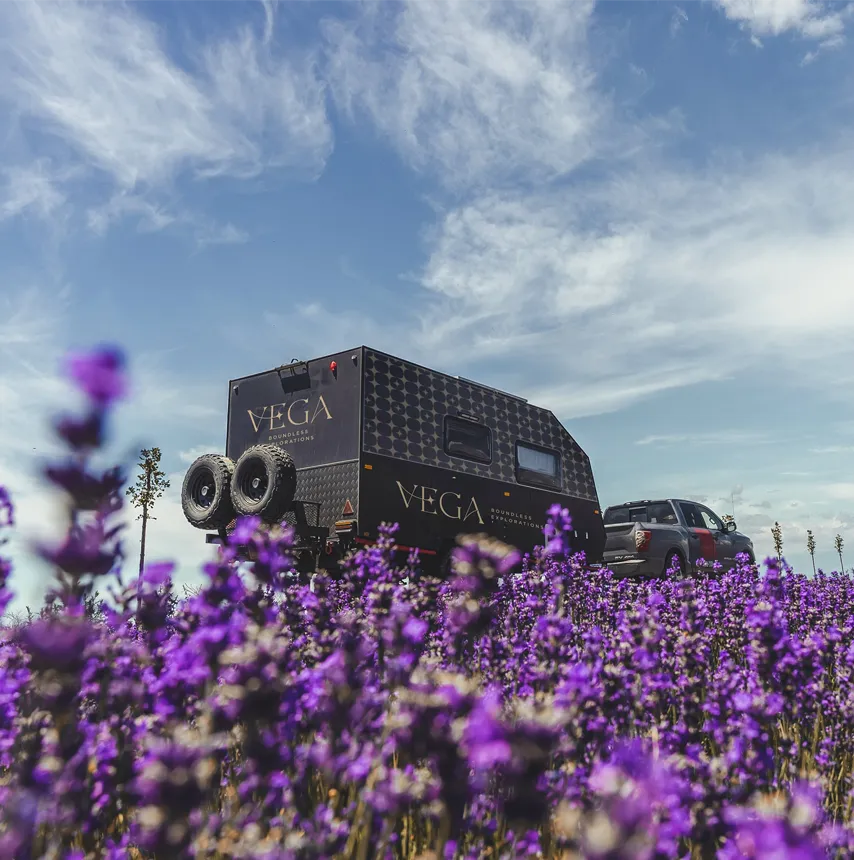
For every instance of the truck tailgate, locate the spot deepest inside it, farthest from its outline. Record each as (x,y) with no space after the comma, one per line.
(620,538)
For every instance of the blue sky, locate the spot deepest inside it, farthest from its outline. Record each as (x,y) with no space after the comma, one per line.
(636,214)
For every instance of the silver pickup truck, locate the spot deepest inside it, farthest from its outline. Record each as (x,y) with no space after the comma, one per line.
(649,537)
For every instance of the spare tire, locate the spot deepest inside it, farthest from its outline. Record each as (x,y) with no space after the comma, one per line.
(206,493)
(264,483)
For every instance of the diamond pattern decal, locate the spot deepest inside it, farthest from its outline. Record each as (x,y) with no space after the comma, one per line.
(404,413)
(333,486)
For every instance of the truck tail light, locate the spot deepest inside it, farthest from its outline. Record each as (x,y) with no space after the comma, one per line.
(642,539)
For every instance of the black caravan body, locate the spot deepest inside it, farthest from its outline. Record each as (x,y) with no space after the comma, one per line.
(370,438)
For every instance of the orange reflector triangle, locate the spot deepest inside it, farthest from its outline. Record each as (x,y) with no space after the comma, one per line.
(348,509)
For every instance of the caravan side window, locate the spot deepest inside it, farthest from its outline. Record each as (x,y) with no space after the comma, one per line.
(468,439)
(538,466)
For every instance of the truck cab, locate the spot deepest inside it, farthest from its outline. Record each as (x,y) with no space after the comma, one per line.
(653,537)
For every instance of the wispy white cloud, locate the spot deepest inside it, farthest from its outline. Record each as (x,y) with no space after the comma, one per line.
(99,78)
(28,318)
(219,234)
(843,490)
(152,216)
(478,93)
(677,20)
(811,19)
(723,437)
(29,190)
(590,262)
(655,278)
(189,455)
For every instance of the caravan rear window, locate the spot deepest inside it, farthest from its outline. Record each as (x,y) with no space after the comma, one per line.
(535,465)
(467,439)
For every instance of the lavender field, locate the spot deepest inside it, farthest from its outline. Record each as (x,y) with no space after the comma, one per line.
(528,707)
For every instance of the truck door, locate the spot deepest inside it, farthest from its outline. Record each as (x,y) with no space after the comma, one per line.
(723,540)
(701,544)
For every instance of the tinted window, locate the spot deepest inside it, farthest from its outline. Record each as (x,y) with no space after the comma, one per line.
(661,512)
(615,516)
(468,439)
(537,466)
(710,521)
(534,460)
(692,516)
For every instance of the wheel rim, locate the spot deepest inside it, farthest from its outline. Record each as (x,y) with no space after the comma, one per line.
(253,481)
(203,489)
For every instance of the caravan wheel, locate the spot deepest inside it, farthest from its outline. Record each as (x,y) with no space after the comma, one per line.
(264,483)
(206,492)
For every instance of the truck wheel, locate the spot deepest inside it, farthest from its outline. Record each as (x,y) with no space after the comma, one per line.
(264,483)
(674,560)
(206,492)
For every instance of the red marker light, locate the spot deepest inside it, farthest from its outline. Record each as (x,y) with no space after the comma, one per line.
(333,366)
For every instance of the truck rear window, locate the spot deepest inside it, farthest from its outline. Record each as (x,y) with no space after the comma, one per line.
(467,439)
(616,516)
(654,512)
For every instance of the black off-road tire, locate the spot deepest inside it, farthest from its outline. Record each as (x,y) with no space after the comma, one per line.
(264,483)
(206,492)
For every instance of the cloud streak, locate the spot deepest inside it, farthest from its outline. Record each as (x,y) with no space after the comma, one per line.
(567,239)
(29,190)
(809,18)
(475,93)
(724,437)
(99,79)
(656,278)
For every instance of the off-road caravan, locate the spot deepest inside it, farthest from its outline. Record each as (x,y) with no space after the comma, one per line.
(338,445)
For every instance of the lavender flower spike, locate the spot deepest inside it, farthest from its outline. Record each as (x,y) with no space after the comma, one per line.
(99,374)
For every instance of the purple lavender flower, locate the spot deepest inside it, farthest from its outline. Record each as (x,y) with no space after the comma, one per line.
(557,530)
(99,374)
(7,511)
(88,492)
(524,707)
(81,434)
(790,829)
(55,644)
(82,552)
(173,781)
(7,520)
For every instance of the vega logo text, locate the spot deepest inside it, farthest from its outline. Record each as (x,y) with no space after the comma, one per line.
(297,412)
(448,504)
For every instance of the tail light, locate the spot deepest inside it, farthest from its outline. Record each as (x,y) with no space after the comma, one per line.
(642,539)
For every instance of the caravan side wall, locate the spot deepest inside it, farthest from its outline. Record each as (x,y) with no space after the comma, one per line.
(314,416)
(432,506)
(408,477)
